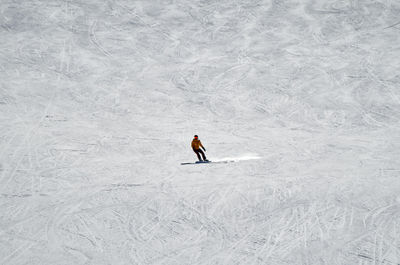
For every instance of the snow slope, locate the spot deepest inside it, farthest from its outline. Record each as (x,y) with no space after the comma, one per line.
(99,101)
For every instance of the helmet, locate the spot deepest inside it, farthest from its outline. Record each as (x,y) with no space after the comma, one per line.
(196,136)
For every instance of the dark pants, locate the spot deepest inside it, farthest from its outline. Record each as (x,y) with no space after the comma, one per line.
(198,152)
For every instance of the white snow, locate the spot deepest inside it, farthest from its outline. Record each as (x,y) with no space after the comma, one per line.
(238,158)
(99,101)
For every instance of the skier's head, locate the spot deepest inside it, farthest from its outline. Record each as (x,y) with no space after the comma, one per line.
(196,136)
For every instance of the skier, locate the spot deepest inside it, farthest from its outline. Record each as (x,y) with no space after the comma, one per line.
(196,144)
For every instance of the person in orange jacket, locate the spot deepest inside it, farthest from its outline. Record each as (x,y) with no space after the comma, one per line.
(196,144)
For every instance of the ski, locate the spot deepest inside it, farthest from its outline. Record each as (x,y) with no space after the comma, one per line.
(208,162)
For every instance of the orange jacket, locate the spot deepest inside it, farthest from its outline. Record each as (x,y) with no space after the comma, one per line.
(196,144)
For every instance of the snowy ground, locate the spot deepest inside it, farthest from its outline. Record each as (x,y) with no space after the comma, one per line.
(99,101)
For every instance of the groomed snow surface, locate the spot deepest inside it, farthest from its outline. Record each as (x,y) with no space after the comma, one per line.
(100,100)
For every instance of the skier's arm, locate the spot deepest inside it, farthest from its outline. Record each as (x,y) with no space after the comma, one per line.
(202,146)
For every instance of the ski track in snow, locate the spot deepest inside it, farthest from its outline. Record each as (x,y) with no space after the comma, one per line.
(99,101)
